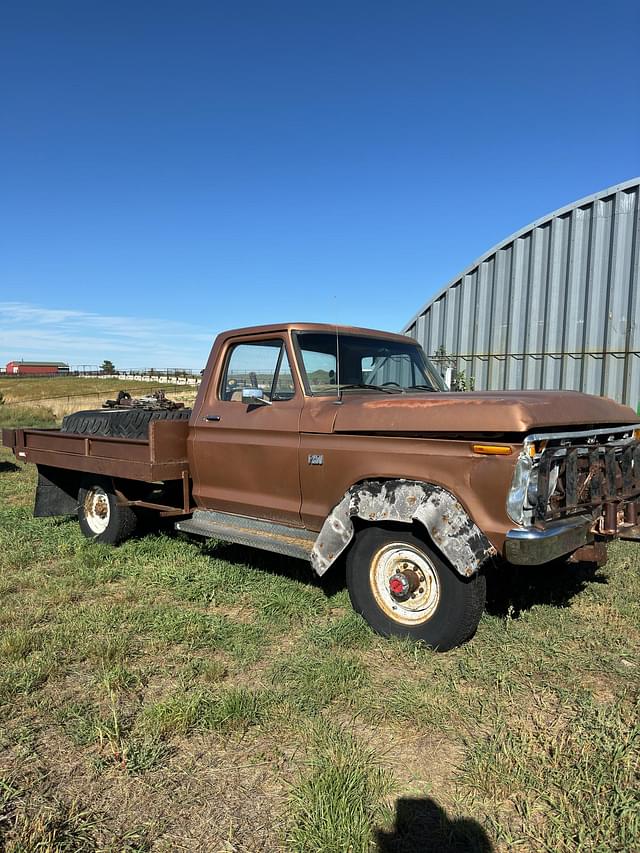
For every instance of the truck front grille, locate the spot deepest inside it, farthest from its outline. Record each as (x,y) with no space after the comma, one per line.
(578,473)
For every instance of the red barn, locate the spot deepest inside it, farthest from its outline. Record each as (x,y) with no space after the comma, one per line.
(37,368)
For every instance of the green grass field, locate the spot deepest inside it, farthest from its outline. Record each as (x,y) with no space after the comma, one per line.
(171,696)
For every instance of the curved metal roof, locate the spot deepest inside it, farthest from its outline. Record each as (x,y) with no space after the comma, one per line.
(589,199)
(554,305)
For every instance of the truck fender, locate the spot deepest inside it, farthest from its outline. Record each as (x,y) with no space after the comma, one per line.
(448,524)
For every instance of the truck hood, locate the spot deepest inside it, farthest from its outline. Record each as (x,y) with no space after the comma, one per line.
(477,412)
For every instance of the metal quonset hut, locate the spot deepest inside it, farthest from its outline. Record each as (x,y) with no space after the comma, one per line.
(556,305)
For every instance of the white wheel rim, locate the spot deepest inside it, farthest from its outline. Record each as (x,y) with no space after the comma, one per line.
(97,510)
(395,558)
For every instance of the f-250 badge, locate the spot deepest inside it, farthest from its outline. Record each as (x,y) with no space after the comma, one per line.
(316,459)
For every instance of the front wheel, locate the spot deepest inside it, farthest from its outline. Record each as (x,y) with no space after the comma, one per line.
(100,515)
(404,589)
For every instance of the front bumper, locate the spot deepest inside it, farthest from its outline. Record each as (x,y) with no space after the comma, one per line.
(528,546)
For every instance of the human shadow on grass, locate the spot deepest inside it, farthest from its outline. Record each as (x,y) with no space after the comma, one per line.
(422,826)
(8,467)
(512,590)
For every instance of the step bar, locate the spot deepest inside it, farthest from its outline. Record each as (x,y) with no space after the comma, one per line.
(253,532)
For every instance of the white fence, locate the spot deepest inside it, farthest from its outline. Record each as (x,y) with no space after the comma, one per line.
(155,377)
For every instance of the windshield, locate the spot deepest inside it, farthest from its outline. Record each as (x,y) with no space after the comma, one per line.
(369,363)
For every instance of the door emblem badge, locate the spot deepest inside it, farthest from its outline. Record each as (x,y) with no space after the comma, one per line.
(315,459)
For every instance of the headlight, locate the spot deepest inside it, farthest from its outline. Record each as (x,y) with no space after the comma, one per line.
(532,488)
(518,490)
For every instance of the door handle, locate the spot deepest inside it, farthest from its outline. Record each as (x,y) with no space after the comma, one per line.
(211,418)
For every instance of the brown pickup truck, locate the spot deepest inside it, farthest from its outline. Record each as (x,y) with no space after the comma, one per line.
(325,442)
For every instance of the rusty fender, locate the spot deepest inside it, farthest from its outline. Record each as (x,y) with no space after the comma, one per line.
(452,531)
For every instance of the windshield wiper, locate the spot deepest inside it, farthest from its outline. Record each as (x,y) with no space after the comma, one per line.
(422,388)
(370,387)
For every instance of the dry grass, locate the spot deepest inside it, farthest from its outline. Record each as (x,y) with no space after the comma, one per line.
(62,395)
(167,696)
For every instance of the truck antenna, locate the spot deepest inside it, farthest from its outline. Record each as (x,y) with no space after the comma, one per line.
(338,364)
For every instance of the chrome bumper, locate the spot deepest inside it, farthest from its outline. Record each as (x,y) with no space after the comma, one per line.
(527,546)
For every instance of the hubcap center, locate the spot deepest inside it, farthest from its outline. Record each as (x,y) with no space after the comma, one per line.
(403,584)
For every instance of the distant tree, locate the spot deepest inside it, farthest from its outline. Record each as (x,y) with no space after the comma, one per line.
(107,366)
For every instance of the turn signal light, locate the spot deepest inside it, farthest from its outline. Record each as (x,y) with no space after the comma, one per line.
(491,449)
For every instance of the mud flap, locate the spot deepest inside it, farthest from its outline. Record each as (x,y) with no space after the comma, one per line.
(56,493)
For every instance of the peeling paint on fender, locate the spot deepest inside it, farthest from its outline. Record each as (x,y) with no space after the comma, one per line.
(451,529)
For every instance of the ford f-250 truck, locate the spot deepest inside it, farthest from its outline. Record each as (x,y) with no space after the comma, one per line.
(325,443)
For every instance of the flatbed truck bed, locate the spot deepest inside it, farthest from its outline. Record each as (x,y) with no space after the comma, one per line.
(162,458)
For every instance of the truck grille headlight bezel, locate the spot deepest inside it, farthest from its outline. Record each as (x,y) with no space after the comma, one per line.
(559,475)
(519,485)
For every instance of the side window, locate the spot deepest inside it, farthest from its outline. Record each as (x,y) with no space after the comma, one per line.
(263,367)
(367,365)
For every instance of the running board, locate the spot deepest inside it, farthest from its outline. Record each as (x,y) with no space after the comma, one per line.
(291,541)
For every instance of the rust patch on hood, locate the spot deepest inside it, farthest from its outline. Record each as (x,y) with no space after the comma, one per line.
(480,411)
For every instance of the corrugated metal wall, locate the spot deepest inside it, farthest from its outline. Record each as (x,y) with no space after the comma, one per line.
(555,305)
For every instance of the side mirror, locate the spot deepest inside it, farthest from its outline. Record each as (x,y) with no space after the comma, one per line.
(254,396)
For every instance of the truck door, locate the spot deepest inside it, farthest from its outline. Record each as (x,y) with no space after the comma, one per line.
(246,436)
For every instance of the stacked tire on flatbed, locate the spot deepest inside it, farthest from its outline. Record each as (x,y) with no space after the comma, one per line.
(120,423)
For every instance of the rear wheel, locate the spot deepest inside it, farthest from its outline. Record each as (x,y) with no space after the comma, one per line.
(101,517)
(403,588)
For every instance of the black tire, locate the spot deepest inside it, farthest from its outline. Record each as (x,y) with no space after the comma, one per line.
(444,608)
(120,423)
(101,518)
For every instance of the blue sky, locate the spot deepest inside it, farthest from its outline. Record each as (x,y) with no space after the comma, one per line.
(168,170)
